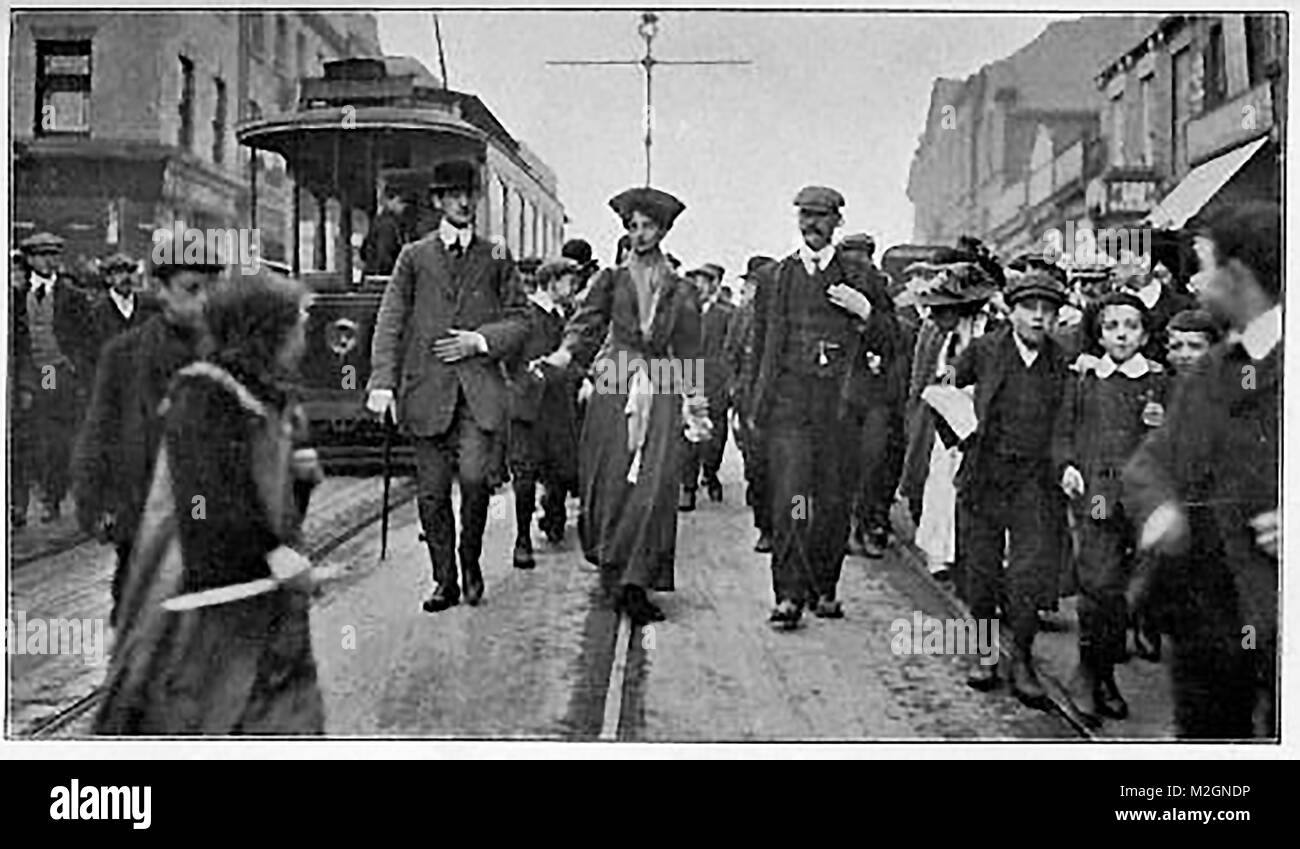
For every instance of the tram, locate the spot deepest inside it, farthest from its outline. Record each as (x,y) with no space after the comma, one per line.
(365,125)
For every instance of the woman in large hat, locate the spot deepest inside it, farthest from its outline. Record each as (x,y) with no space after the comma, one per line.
(645,394)
(954,299)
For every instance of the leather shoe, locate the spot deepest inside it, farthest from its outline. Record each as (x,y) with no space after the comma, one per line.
(983,678)
(443,597)
(785,616)
(1109,701)
(1026,686)
(523,557)
(473,585)
(639,608)
(686,501)
(828,608)
(1084,694)
(764,544)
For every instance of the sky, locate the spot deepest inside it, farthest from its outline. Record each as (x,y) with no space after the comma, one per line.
(830,99)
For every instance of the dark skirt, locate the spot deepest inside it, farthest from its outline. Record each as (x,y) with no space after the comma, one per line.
(630,530)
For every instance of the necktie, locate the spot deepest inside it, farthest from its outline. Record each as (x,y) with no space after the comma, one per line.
(40,293)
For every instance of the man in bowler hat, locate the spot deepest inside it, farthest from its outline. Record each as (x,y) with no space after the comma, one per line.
(452,312)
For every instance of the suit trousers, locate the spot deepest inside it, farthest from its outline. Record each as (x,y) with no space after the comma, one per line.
(812,467)
(120,571)
(52,429)
(875,491)
(1013,498)
(470,453)
(707,455)
(754,453)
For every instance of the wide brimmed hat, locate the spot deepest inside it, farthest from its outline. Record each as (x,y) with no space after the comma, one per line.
(1036,283)
(956,284)
(455,174)
(41,243)
(658,204)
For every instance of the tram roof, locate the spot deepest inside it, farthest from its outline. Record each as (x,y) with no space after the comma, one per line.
(284,133)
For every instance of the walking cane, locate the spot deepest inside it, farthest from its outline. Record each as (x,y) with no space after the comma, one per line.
(388,469)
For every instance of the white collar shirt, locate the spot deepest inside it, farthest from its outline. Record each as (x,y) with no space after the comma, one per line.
(1150,293)
(125,303)
(1027,354)
(1135,366)
(45,283)
(451,235)
(814,261)
(1261,336)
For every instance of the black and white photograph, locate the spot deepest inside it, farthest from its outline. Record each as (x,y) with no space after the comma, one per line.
(731,375)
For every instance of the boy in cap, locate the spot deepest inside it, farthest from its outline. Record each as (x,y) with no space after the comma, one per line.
(740,361)
(452,311)
(54,366)
(1008,504)
(115,451)
(1191,335)
(816,319)
(543,430)
(706,457)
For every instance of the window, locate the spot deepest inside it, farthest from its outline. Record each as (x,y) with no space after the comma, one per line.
(1179,107)
(256,32)
(186,136)
(505,210)
(1216,76)
(62,87)
(1117,130)
(281,42)
(1259,47)
(219,123)
(1148,142)
(301,65)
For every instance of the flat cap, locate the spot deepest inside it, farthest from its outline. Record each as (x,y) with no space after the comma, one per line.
(858,242)
(454,174)
(168,256)
(41,243)
(755,265)
(657,204)
(1036,283)
(716,270)
(556,268)
(1194,321)
(819,199)
(120,261)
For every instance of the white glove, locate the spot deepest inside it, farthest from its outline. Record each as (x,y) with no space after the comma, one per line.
(1072,482)
(585,391)
(290,568)
(379,400)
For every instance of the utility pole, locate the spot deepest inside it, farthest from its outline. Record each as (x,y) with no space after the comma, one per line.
(648,29)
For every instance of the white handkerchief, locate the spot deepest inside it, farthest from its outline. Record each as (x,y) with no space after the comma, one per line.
(956,407)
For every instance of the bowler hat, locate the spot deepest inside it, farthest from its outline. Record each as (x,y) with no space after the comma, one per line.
(168,256)
(42,243)
(657,204)
(454,174)
(959,283)
(819,199)
(578,250)
(1036,283)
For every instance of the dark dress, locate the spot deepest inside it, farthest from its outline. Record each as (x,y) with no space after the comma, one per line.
(241,667)
(630,529)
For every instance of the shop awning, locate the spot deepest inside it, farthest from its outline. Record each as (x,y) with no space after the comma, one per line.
(1200,185)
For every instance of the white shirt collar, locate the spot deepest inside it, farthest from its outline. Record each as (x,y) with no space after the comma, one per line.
(1261,336)
(450,235)
(1150,293)
(544,300)
(1135,366)
(816,259)
(47,282)
(125,305)
(1029,356)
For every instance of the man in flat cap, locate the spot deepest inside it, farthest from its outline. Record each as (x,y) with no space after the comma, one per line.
(1008,504)
(740,365)
(113,461)
(53,360)
(120,306)
(705,458)
(452,312)
(816,320)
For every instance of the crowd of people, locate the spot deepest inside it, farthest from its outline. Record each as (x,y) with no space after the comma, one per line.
(1044,433)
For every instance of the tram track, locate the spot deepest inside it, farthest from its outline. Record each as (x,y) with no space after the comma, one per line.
(325,540)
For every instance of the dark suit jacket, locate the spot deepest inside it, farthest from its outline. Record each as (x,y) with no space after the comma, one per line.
(1220,448)
(383,243)
(430,293)
(72,328)
(527,391)
(879,333)
(118,443)
(716,324)
(983,364)
(107,322)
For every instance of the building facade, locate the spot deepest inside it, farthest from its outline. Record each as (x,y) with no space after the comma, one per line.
(124,121)
(1006,154)
(1194,117)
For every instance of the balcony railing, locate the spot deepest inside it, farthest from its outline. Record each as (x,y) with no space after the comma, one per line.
(1043,183)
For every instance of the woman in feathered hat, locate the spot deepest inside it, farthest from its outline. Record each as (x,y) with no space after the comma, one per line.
(646,387)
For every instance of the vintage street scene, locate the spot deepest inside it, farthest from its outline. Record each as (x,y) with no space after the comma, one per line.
(658,376)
